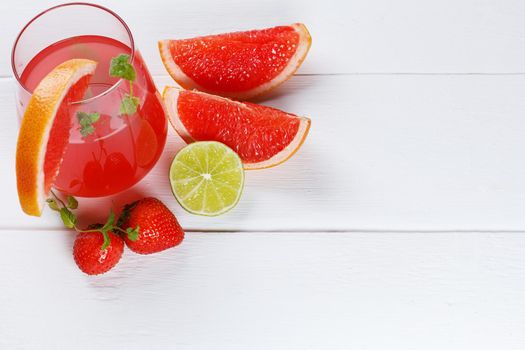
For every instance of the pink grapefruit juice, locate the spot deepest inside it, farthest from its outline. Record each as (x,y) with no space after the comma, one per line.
(123,148)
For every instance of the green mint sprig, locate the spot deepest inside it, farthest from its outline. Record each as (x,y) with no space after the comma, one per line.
(70,220)
(86,121)
(129,104)
(120,67)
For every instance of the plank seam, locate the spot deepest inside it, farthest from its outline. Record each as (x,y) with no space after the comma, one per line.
(342,231)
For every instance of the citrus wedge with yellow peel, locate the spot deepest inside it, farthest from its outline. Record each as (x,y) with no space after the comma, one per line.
(207,178)
(44,133)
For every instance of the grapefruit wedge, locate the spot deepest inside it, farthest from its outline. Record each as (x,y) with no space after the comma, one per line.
(262,136)
(44,133)
(239,65)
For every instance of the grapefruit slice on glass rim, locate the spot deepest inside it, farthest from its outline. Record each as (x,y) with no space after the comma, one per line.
(44,132)
(239,65)
(262,136)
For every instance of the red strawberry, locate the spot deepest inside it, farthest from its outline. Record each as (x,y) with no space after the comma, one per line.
(158,229)
(89,255)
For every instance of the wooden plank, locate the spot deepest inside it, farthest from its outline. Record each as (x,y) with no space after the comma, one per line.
(270,290)
(384,153)
(349,36)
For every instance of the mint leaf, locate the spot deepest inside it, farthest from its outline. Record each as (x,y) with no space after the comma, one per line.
(85,118)
(129,105)
(121,68)
(72,202)
(68,218)
(86,121)
(87,130)
(133,233)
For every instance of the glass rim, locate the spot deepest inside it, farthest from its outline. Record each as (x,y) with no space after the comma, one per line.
(28,24)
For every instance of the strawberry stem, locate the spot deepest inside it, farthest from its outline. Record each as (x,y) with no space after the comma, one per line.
(70,220)
(58,199)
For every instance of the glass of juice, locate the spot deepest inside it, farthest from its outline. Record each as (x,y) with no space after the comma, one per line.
(123,148)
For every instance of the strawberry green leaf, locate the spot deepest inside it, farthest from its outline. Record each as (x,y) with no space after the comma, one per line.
(107,241)
(68,218)
(108,226)
(133,233)
(52,203)
(72,202)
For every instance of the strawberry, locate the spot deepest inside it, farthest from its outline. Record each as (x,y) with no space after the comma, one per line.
(98,248)
(90,254)
(154,226)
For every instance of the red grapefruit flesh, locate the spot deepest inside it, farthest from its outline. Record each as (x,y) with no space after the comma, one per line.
(239,65)
(59,134)
(44,133)
(262,136)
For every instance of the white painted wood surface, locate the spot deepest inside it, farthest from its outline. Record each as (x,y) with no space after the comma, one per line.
(350,36)
(414,158)
(271,291)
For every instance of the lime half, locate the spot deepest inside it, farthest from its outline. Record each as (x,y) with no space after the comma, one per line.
(207,178)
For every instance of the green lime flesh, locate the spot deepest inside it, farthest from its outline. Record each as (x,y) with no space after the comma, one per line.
(207,178)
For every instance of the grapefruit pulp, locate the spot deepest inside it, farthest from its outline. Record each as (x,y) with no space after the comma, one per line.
(239,65)
(262,136)
(44,132)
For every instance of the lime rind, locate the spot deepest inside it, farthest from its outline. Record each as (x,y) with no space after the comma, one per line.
(207,178)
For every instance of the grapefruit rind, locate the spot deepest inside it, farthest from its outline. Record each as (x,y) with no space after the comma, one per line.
(36,127)
(288,151)
(171,96)
(305,41)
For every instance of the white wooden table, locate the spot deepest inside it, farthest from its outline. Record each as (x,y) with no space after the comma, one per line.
(399,224)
